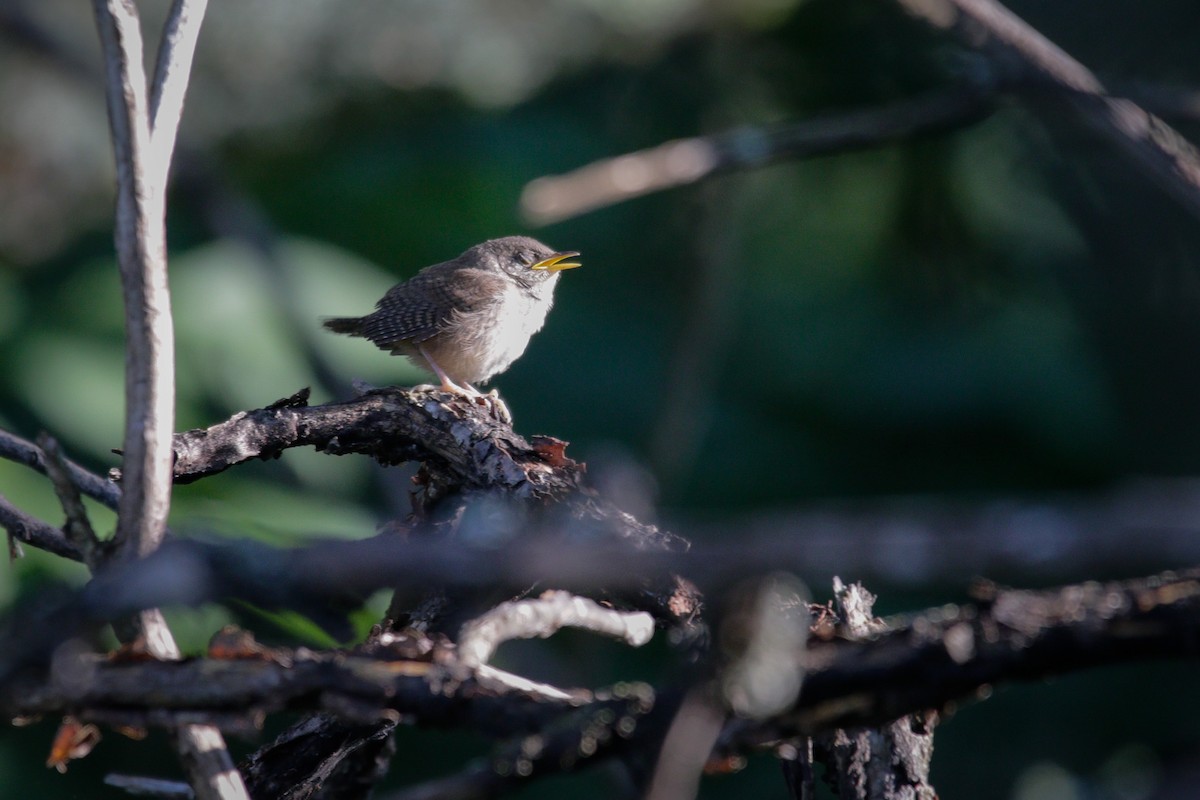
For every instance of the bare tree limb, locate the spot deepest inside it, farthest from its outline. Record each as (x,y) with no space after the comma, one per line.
(610,181)
(926,661)
(141,252)
(172,71)
(885,762)
(32,531)
(1169,159)
(1027,65)
(143,153)
(14,448)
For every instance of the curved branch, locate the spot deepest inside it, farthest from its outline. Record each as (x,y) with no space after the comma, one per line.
(986,25)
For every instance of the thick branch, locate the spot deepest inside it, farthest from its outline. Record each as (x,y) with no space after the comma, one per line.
(937,657)
(141,253)
(462,447)
(143,148)
(464,443)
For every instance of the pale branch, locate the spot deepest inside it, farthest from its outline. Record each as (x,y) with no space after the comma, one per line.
(142,148)
(557,197)
(686,746)
(141,254)
(543,617)
(986,25)
(172,71)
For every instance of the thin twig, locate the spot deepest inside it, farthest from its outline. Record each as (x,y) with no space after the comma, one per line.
(614,180)
(14,448)
(78,528)
(142,786)
(32,531)
(686,747)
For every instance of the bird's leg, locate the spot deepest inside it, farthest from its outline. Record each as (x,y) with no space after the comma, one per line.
(447,384)
(492,400)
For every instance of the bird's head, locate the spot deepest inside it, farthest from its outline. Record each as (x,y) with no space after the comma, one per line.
(526,259)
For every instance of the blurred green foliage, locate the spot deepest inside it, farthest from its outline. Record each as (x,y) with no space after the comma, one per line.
(1008,307)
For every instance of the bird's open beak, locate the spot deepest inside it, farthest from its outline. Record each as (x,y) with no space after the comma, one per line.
(558,262)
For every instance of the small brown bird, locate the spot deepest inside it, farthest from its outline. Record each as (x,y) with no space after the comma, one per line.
(469,318)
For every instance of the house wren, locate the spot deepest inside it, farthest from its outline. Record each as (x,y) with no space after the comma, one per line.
(469,318)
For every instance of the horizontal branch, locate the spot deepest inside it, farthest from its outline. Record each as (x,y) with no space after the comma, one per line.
(951,653)
(237,693)
(390,425)
(461,446)
(931,659)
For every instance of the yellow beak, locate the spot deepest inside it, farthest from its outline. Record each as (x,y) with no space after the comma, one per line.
(558,262)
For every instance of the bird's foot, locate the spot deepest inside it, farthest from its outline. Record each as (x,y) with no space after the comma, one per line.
(491,400)
(498,407)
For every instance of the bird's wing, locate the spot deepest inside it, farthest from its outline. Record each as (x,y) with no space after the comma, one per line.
(421,307)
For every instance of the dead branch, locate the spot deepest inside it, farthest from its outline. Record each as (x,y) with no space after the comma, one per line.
(144,118)
(886,762)
(543,617)
(16,449)
(987,26)
(925,661)
(603,183)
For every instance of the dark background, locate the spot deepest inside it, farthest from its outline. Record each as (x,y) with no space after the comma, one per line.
(1004,310)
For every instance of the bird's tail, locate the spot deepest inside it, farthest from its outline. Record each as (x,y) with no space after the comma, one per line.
(350,325)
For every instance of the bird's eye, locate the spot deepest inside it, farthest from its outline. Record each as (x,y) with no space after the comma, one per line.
(526,257)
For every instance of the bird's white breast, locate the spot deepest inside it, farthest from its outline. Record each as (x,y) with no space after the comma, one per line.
(491,338)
